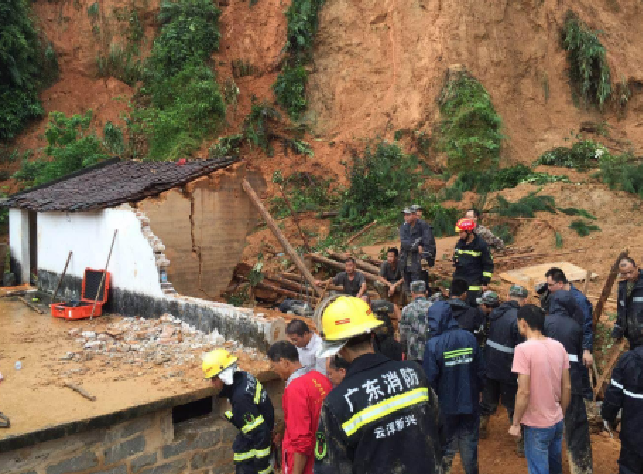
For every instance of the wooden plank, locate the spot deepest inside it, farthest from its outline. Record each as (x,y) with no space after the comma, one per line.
(280,236)
(607,371)
(607,288)
(521,276)
(588,277)
(359,263)
(339,266)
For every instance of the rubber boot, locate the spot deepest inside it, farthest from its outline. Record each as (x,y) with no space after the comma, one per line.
(484,426)
(520,446)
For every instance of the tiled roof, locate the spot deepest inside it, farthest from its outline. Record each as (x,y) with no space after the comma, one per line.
(112,183)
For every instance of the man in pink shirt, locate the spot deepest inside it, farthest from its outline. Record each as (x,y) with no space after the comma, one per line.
(301,402)
(544,392)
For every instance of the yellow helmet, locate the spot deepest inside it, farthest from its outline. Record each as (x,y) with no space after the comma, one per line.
(347,316)
(215,361)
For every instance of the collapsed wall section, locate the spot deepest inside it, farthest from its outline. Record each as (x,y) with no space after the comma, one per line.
(203,227)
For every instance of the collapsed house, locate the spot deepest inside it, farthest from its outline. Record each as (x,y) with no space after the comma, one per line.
(178,230)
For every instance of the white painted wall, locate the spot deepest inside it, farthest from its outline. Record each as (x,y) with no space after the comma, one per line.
(89,235)
(19,241)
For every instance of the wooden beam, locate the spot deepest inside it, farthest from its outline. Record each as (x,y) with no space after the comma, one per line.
(607,371)
(535,255)
(339,266)
(588,277)
(280,236)
(361,232)
(607,288)
(361,264)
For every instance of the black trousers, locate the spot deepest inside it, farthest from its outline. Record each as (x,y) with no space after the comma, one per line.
(495,392)
(579,448)
(630,461)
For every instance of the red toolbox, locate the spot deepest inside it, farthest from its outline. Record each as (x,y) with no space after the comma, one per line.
(83,308)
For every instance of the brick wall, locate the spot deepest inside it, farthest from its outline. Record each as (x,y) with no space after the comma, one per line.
(147,445)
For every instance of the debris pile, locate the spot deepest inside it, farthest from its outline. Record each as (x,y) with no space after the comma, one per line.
(167,341)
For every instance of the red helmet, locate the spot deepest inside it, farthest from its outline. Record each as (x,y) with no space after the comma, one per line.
(467,225)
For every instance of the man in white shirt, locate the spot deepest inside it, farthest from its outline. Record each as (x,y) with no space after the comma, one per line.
(307,343)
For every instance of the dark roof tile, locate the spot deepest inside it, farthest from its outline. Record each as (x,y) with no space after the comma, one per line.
(112,183)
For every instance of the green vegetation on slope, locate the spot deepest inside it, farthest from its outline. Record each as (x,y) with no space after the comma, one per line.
(180,103)
(290,87)
(470,130)
(71,146)
(26,65)
(588,67)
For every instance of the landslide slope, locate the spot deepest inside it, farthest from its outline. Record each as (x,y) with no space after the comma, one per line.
(379,66)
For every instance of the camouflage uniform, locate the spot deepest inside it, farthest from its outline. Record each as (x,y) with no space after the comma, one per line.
(491,240)
(414,329)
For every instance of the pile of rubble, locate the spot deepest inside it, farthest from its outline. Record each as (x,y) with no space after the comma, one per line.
(167,341)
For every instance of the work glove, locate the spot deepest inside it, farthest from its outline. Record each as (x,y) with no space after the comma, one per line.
(617,333)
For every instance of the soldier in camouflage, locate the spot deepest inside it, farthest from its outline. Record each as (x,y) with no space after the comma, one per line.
(414,323)
(484,233)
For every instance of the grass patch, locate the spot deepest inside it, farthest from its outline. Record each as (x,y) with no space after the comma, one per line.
(582,155)
(571,211)
(290,87)
(121,64)
(589,70)
(503,232)
(618,173)
(486,181)
(470,130)
(305,192)
(526,206)
(71,146)
(582,228)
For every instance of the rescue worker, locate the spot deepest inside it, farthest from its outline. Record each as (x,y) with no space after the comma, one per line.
(629,319)
(414,329)
(384,336)
(336,368)
(488,236)
(563,326)
(502,339)
(625,392)
(252,411)
(417,247)
(468,318)
(429,260)
(556,280)
(383,417)
(455,369)
(389,284)
(301,403)
(486,304)
(472,260)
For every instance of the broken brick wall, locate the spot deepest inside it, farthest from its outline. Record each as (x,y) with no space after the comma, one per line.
(145,445)
(151,443)
(203,227)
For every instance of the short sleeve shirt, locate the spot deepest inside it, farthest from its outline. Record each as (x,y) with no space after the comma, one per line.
(392,275)
(544,361)
(350,287)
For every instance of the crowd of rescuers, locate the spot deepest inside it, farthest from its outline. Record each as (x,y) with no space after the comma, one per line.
(363,397)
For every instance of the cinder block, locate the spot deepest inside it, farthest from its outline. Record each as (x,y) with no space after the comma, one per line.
(75,464)
(143,461)
(175,467)
(174,449)
(125,449)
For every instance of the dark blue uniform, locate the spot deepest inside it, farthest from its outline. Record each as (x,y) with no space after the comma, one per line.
(503,337)
(454,367)
(565,324)
(382,419)
(473,263)
(625,392)
(253,415)
(629,320)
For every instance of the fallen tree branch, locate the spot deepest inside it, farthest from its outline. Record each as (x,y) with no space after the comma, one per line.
(81,391)
(361,232)
(607,288)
